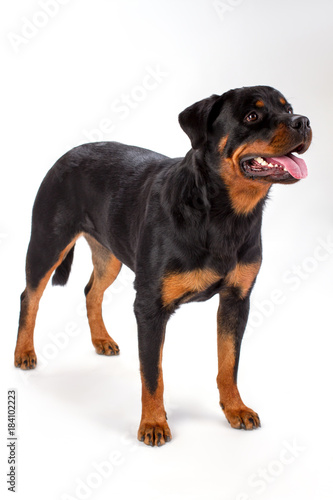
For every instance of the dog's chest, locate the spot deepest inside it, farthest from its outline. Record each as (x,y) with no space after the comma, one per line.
(201,284)
(177,286)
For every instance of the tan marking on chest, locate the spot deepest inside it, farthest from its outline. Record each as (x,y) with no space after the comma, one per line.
(175,285)
(243,276)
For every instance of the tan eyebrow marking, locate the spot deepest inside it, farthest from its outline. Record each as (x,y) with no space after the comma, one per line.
(260,104)
(282,101)
(222,143)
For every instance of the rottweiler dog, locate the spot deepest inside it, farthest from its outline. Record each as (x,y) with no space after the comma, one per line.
(188,227)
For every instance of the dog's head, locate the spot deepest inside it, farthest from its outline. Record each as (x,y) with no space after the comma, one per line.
(253,132)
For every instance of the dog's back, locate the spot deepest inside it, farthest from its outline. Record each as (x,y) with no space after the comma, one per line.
(99,189)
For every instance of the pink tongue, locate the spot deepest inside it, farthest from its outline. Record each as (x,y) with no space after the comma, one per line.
(295,166)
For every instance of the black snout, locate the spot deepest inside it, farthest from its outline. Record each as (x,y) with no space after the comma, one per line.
(300,123)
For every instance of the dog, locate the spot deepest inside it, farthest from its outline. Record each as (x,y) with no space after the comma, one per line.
(188,227)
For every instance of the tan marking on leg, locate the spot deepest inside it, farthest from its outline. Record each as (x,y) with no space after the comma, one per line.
(238,415)
(153,429)
(176,285)
(243,276)
(106,270)
(229,395)
(25,356)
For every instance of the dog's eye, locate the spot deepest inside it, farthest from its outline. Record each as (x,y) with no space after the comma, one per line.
(251,117)
(290,110)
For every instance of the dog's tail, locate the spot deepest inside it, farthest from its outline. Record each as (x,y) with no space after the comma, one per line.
(61,274)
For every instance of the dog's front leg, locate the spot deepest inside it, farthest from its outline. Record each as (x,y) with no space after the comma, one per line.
(151,321)
(231,321)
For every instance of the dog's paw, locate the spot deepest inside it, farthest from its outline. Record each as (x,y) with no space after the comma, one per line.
(154,434)
(242,418)
(25,359)
(108,347)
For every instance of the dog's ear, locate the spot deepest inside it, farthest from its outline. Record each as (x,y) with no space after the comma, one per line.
(194,120)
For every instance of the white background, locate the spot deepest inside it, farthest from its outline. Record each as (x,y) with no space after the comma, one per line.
(63,85)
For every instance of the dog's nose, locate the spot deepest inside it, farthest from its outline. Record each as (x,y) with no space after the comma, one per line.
(300,123)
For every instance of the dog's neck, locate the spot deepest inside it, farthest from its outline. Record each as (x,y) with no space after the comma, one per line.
(197,193)
(226,190)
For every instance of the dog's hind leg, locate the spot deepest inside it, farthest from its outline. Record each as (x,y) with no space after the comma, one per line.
(43,257)
(106,269)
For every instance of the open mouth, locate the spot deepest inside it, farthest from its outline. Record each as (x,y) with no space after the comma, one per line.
(281,168)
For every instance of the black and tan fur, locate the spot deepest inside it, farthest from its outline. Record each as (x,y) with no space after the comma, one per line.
(188,227)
